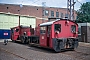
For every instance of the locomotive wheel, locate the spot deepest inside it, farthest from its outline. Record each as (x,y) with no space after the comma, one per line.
(72,45)
(72,49)
(14,41)
(23,40)
(29,41)
(56,45)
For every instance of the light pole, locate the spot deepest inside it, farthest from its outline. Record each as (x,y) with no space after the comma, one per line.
(19,12)
(43,11)
(70,8)
(7,9)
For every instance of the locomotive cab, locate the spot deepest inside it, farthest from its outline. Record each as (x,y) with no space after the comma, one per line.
(21,33)
(59,35)
(14,33)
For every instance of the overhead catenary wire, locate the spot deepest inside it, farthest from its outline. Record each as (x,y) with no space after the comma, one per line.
(31,1)
(79,2)
(36,1)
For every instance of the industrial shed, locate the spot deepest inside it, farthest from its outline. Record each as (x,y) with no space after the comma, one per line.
(8,21)
(84,32)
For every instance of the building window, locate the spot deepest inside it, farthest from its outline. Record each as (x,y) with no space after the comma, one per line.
(52,13)
(69,16)
(57,14)
(61,15)
(46,12)
(37,9)
(66,15)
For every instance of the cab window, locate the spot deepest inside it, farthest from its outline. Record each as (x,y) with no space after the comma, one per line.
(12,30)
(73,28)
(57,27)
(17,30)
(49,28)
(43,30)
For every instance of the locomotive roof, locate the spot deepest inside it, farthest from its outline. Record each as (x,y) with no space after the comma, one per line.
(50,23)
(21,26)
(47,23)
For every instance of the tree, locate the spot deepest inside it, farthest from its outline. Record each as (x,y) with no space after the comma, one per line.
(83,14)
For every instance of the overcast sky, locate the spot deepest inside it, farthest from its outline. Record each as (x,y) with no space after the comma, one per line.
(48,3)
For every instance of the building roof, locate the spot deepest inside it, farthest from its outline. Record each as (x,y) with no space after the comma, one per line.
(31,5)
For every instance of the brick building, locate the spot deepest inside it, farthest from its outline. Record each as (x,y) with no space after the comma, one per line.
(40,13)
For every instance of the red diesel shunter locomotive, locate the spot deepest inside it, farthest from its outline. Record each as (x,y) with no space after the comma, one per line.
(57,35)
(21,33)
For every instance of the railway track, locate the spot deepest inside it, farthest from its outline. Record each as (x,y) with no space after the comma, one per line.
(82,53)
(32,52)
(76,54)
(13,54)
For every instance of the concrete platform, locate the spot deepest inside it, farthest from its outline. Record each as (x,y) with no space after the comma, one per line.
(2,40)
(84,44)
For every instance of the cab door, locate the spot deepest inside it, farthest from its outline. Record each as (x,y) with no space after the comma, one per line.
(15,33)
(12,34)
(43,36)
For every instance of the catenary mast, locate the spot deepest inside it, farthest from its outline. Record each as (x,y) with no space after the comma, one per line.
(70,9)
